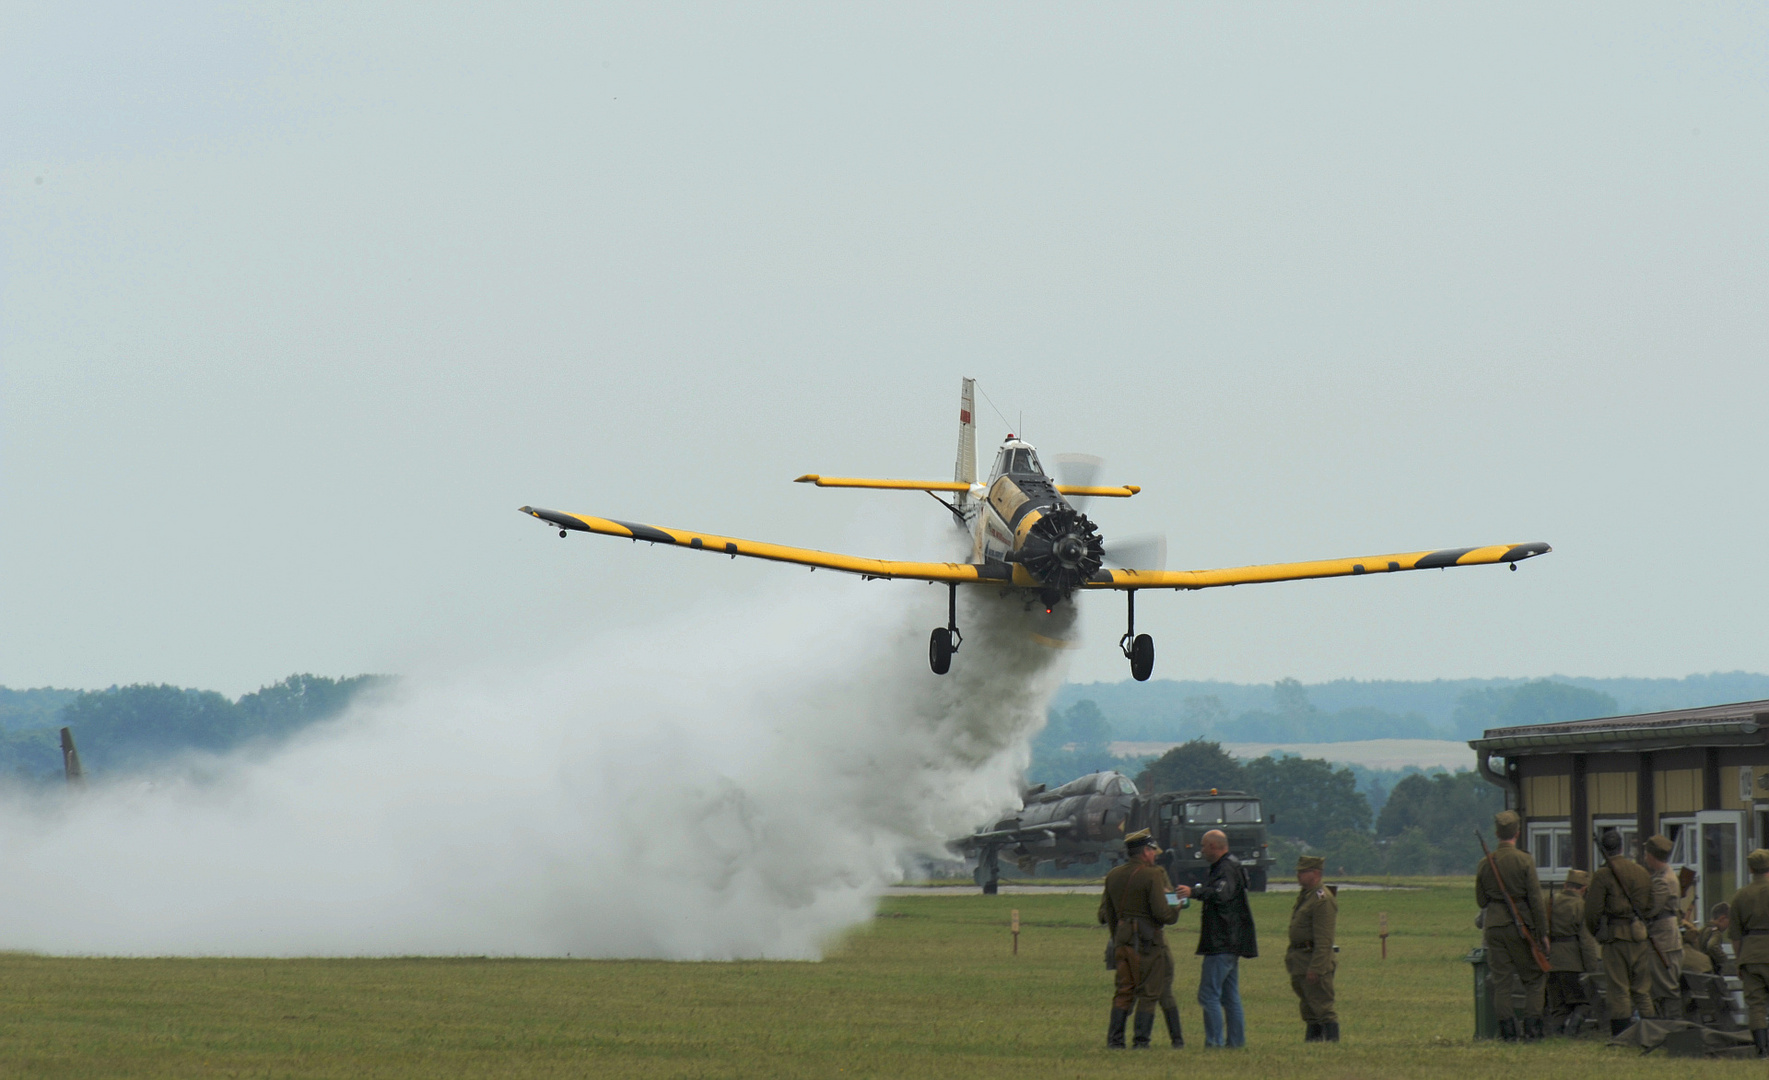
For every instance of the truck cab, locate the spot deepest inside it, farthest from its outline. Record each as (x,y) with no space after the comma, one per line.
(1179,820)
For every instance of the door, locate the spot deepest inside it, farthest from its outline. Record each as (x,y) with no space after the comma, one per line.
(1722,865)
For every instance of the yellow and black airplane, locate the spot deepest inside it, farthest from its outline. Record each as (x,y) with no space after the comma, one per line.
(1027,535)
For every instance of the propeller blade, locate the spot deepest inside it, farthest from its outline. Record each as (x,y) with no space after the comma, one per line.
(1138,552)
(1077,470)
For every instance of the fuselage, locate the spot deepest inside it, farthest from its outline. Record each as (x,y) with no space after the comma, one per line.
(1021,521)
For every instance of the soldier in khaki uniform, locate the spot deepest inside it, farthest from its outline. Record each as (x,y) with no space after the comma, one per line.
(1666,907)
(1508,953)
(1750,939)
(1135,907)
(1310,961)
(1572,953)
(1619,889)
(1712,938)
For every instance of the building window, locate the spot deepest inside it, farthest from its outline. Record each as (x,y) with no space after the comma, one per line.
(1551,844)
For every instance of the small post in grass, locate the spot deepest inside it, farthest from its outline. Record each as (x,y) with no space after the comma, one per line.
(1382,930)
(1016,931)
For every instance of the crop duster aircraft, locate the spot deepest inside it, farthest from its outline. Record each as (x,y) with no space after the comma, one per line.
(1027,535)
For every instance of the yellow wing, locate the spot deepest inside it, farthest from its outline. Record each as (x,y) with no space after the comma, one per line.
(1123,492)
(727,545)
(1324,568)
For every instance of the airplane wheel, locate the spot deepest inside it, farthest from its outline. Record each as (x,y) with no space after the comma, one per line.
(1142,657)
(939,651)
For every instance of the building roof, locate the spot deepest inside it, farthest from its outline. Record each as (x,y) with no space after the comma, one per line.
(1741,723)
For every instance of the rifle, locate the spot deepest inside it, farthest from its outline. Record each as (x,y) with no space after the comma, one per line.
(1632,907)
(1535,947)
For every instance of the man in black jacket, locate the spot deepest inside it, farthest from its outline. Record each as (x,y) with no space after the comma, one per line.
(1225,934)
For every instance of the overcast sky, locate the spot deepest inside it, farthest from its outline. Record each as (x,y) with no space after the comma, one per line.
(298,305)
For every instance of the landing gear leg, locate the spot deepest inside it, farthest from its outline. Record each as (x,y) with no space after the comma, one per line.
(1139,649)
(988,871)
(945,640)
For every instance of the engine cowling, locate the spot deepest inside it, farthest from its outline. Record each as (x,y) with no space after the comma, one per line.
(1063,550)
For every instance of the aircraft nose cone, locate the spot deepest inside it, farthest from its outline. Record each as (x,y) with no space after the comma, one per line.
(1070,550)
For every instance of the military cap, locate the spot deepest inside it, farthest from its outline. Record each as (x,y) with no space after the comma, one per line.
(1139,839)
(1580,878)
(1611,841)
(1506,823)
(1758,861)
(1658,847)
(1310,862)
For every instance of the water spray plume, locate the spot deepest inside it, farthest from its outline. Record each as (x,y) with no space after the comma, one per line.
(737,786)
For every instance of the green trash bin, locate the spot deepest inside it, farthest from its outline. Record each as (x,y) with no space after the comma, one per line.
(1486,1020)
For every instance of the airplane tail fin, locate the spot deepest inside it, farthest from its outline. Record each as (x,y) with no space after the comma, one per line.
(966,470)
(70,760)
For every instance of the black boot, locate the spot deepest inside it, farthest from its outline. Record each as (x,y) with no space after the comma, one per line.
(1313,1034)
(1330,1031)
(1115,1033)
(1171,1013)
(1761,1037)
(1508,1029)
(1616,1027)
(1145,1026)
(1532,1029)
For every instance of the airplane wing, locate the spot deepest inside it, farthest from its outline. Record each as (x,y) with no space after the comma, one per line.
(726,545)
(1324,568)
(1123,492)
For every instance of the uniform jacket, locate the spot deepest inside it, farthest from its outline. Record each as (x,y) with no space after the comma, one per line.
(1750,922)
(1667,897)
(1710,941)
(1518,873)
(1313,923)
(1226,926)
(1573,948)
(1135,906)
(1613,887)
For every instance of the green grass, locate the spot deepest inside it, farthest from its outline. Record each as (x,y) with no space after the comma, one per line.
(930,989)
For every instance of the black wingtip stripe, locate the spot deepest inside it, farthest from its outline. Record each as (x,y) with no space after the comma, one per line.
(645,532)
(1525,551)
(563,521)
(1446,557)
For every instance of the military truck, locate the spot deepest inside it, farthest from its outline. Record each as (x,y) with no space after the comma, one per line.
(1179,820)
(1085,820)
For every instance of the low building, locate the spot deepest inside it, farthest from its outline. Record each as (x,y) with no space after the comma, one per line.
(1700,777)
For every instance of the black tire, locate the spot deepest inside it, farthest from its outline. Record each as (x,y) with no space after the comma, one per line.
(939,651)
(1142,657)
(1256,880)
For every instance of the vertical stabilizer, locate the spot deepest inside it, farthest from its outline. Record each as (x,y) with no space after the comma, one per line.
(70,760)
(966,470)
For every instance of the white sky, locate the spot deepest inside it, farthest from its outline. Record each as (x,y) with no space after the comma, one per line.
(297,306)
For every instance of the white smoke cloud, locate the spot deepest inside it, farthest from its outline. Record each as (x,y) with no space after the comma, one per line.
(735,786)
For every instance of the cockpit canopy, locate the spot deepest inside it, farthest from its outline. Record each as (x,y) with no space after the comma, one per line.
(1017,457)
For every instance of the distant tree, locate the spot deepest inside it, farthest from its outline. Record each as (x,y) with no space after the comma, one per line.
(1447,809)
(1292,701)
(1088,729)
(1539,702)
(1195,764)
(1309,797)
(1352,851)
(1413,853)
(1202,715)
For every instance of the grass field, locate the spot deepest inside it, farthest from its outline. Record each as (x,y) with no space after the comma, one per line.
(930,989)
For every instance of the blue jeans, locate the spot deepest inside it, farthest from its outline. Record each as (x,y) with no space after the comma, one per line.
(1219,992)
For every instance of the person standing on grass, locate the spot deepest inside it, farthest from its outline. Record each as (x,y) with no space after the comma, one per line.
(1225,936)
(1749,930)
(1619,889)
(1572,952)
(1509,958)
(1314,922)
(1135,909)
(1661,926)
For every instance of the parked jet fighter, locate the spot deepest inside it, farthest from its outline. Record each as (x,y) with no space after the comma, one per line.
(1027,535)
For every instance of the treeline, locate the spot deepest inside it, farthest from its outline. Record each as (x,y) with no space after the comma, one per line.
(1347,709)
(1426,825)
(127,728)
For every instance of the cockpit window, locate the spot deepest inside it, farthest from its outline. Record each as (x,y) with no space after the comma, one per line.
(1023,461)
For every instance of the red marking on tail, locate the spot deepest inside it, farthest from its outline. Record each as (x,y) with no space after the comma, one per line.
(964,416)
